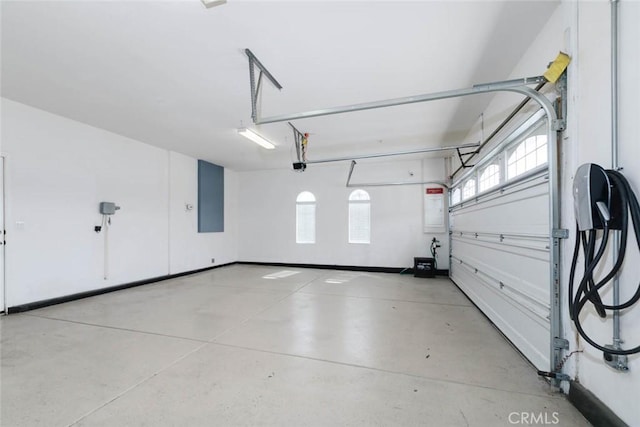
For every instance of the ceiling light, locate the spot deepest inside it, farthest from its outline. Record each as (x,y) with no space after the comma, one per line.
(248,133)
(212,3)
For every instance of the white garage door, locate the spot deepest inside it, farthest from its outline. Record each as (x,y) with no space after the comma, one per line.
(500,257)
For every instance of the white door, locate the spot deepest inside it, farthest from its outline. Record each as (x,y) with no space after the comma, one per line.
(2,236)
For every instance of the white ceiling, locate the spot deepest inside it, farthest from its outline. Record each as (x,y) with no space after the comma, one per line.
(174,74)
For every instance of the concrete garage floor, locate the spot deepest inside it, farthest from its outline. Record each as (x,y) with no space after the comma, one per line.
(253,345)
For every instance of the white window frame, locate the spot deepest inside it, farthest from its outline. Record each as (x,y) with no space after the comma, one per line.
(532,128)
(471,183)
(357,200)
(456,196)
(527,155)
(486,180)
(304,201)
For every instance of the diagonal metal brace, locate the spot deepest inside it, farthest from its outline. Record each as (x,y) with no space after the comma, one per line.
(463,161)
(255,89)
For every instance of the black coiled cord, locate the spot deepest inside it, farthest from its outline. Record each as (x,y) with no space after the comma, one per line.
(588,289)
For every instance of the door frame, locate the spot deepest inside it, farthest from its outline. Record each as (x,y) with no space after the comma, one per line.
(3,233)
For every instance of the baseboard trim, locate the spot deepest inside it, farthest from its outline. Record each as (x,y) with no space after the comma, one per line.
(592,408)
(368,269)
(80,295)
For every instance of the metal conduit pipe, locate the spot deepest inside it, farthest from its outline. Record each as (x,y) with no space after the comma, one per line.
(614,162)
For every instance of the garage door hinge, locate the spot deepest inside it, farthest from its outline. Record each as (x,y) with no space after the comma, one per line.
(560,233)
(559,125)
(561,343)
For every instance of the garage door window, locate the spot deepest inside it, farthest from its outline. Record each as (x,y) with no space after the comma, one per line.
(528,155)
(455,196)
(489,178)
(469,189)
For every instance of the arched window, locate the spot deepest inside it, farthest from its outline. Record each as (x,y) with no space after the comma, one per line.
(489,178)
(305,218)
(455,196)
(529,154)
(469,189)
(359,217)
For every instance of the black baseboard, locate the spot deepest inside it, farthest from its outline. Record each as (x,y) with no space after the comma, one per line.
(342,267)
(80,295)
(592,408)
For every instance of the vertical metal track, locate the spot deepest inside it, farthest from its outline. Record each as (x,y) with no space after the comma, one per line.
(617,341)
(555,240)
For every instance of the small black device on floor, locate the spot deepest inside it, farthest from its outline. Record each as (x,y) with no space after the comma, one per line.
(424,267)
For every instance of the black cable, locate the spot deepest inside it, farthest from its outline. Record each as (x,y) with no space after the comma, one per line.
(588,290)
(587,284)
(572,272)
(434,246)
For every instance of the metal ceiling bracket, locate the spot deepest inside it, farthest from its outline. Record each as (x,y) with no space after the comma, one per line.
(463,161)
(255,89)
(297,140)
(561,343)
(560,233)
(559,125)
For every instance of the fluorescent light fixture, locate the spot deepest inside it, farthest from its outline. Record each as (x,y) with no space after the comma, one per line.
(248,133)
(212,3)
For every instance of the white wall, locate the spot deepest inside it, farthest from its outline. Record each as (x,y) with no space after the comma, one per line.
(57,172)
(589,140)
(267,215)
(582,29)
(189,249)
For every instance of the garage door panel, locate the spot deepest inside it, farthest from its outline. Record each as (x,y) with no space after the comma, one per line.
(518,270)
(500,259)
(529,333)
(525,211)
